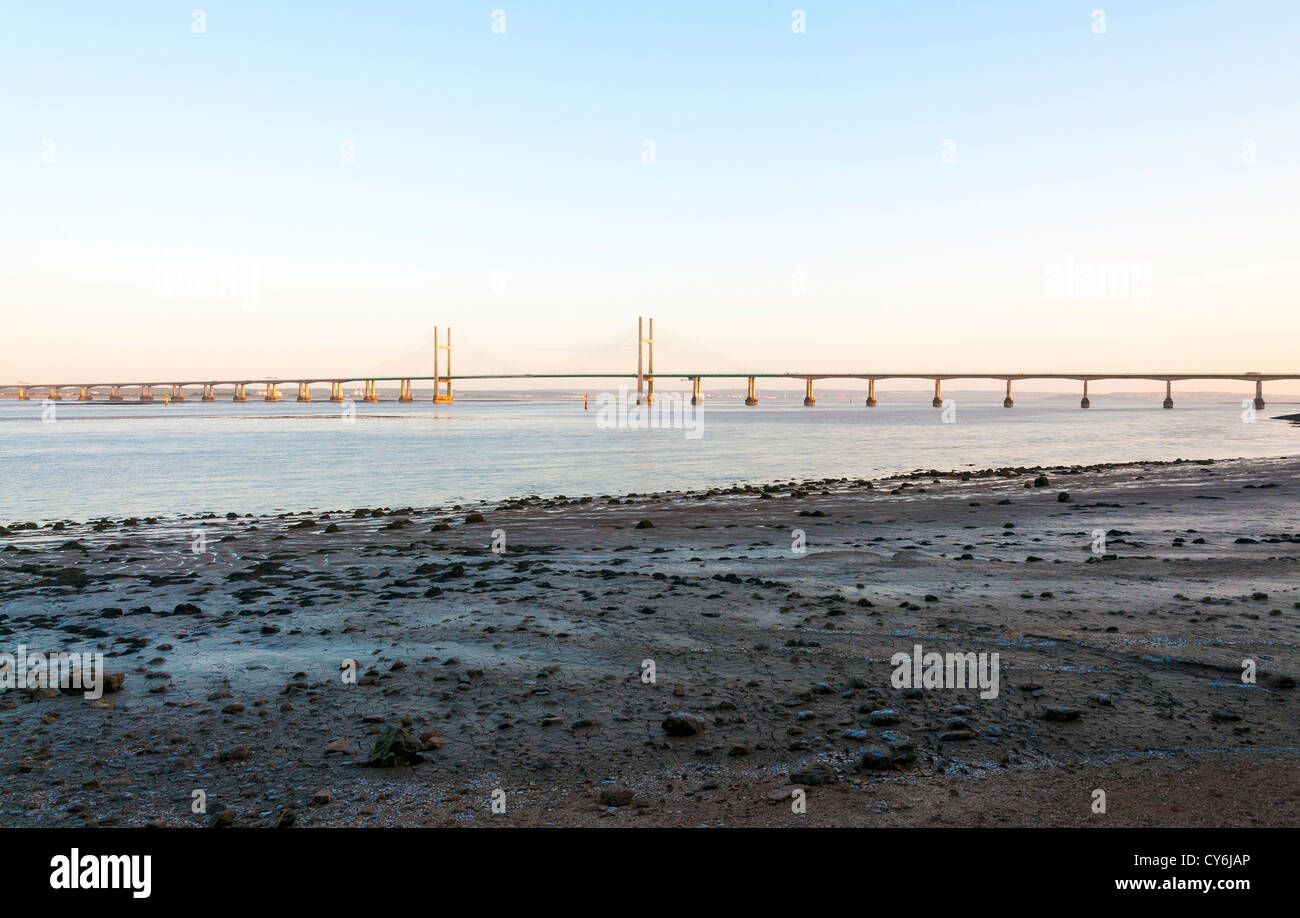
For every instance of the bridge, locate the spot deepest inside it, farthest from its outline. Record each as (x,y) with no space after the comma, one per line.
(645,377)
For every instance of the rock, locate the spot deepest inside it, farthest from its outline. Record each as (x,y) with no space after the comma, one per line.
(875,758)
(474,518)
(615,795)
(338,747)
(781,794)
(644,524)
(1041,481)
(885,717)
(236,754)
(222,819)
(1100,698)
(322,797)
(395,747)
(680,723)
(286,819)
(1226,715)
(431,740)
(1060,713)
(901,749)
(235,708)
(814,774)
(1063,497)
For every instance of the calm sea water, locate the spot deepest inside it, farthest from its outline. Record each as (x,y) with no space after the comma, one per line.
(121,460)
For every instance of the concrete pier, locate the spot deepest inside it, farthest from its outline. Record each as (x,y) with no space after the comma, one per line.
(938,395)
(1008,402)
(209,392)
(695,390)
(1083,402)
(146,393)
(86,394)
(871,393)
(115,393)
(24,395)
(336,392)
(240,394)
(751,397)
(304,392)
(272,393)
(55,395)
(371,395)
(1169,393)
(808,399)
(178,393)
(1259,394)
(405,392)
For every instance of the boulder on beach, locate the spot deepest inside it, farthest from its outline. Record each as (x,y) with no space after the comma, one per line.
(680,723)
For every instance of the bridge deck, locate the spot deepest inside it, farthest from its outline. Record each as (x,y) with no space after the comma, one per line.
(281,381)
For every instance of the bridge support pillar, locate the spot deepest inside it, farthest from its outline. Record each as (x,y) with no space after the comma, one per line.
(938,395)
(23,394)
(1008,402)
(871,393)
(304,392)
(405,395)
(336,392)
(240,395)
(808,399)
(695,390)
(178,393)
(1084,402)
(115,393)
(1259,393)
(86,394)
(55,394)
(1169,393)
(371,395)
(146,393)
(209,392)
(751,397)
(272,392)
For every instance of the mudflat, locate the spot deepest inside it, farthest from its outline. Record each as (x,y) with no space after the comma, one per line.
(690,658)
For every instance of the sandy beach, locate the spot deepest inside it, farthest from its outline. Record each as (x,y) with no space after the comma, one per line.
(1122,601)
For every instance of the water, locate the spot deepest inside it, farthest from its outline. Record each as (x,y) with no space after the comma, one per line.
(122,460)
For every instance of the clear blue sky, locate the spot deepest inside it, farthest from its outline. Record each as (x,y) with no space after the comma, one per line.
(178,202)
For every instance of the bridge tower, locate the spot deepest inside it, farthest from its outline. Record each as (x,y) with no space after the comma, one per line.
(439,397)
(645,347)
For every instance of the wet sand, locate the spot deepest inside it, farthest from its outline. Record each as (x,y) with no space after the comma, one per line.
(522,670)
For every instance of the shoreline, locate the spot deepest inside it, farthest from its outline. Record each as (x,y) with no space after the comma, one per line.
(523,670)
(739,487)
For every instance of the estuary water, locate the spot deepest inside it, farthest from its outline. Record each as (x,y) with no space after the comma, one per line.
(77,461)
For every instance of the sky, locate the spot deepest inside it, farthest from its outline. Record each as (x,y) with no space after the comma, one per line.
(252,189)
